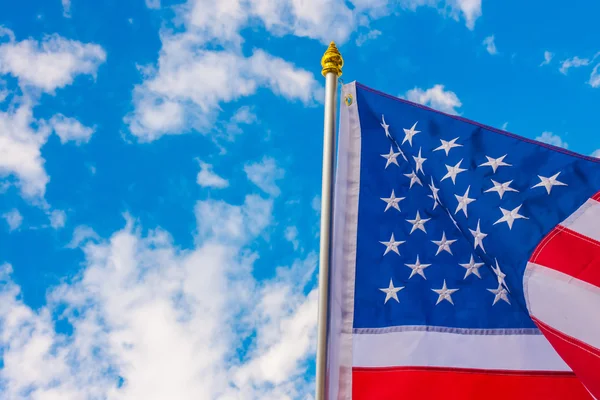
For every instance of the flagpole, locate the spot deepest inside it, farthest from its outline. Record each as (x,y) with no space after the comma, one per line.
(331,63)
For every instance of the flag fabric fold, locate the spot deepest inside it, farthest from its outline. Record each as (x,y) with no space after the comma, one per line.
(465,260)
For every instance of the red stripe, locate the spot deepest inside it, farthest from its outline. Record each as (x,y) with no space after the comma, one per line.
(453,383)
(596,196)
(583,359)
(571,253)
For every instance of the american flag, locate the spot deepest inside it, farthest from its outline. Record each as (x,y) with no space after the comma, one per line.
(465,259)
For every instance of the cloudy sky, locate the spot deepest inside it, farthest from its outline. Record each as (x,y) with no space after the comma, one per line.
(160,171)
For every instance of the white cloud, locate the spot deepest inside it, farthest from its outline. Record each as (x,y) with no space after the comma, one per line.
(70,129)
(323,20)
(66,4)
(574,62)
(184,91)
(21,138)
(58,218)
(490,45)
(291,235)
(595,77)
(243,116)
(284,338)
(553,139)
(13,218)
(7,32)
(190,84)
(207,20)
(283,78)
(166,322)
(471,10)
(224,222)
(3,91)
(316,204)
(596,153)
(207,178)
(264,174)
(153,4)
(436,97)
(51,63)
(81,235)
(548,56)
(364,37)
(327,20)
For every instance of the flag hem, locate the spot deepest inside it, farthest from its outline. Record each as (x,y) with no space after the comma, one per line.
(344,238)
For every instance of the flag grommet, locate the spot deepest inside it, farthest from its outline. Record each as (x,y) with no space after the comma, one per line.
(348,100)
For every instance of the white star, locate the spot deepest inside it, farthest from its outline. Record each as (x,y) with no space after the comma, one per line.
(418,223)
(417,268)
(463,202)
(444,294)
(434,194)
(500,275)
(385,126)
(391,157)
(495,162)
(391,292)
(392,201)
(501,188)
(510,216)
(413,178)
(419,162)
(409,133)
(549,182)
(501,294)
(478,236)
(443,244)
(453,171)
(446,146)
(392,245)
(472,268)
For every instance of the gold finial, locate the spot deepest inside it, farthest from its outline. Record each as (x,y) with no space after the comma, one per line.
(332,61)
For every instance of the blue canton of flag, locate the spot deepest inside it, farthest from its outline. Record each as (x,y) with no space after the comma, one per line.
(452,219)
(449,214)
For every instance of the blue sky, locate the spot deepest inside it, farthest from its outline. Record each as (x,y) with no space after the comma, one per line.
(160,171)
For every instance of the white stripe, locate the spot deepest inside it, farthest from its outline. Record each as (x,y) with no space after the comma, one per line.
(452,350)
(585,220)
(343,250)
(567,304)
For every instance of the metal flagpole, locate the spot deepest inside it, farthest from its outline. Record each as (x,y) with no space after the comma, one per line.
(332,63)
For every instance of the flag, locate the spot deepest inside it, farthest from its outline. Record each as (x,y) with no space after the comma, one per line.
(465,260)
